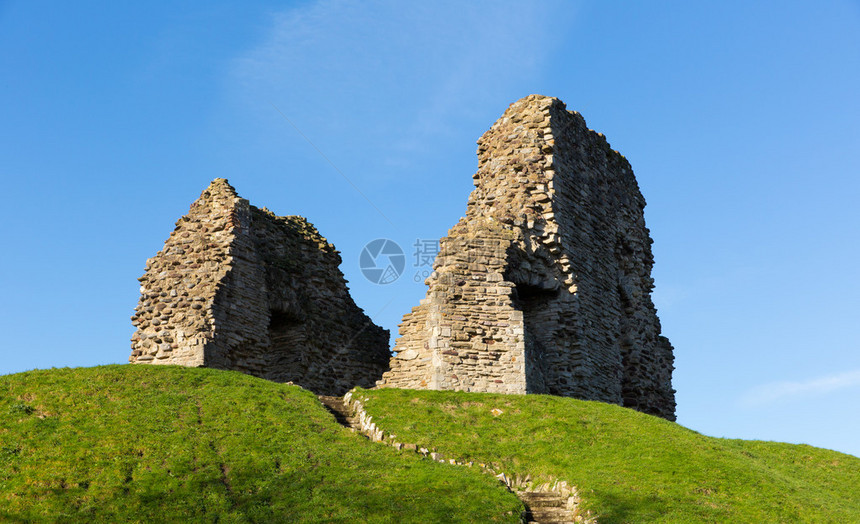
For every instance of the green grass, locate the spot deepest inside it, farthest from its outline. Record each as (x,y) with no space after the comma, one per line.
(168,444)
(629,467)
(163,444)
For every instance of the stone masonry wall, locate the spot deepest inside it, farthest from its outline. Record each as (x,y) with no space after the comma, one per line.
(237,287)
(545,285)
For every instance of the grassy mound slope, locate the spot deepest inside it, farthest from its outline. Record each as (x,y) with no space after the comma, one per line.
(629,467)
(168,444)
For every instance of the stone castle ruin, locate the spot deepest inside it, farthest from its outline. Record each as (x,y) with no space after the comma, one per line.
(545,285)
(237,287)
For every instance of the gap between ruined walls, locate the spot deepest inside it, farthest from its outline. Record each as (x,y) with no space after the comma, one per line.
(516,483)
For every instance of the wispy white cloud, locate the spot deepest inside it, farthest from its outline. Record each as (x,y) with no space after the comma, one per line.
(394,73)
(776,391)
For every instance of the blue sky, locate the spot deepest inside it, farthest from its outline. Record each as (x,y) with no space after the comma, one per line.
(741,121)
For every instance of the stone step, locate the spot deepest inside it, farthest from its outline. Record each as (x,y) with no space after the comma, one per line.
(555,503)
(549,514)
(541,499)
(550,520)
(539,494)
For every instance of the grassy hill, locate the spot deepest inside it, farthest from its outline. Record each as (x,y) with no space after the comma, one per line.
(164,444)
(629,467)
(168,444)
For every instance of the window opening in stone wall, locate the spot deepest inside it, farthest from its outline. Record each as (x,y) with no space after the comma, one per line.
(287,339)
(539,323)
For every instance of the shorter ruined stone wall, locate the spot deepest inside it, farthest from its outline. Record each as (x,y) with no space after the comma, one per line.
(465,335)
(237,287)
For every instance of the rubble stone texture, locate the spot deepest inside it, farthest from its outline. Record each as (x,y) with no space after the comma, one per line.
(545,285)
(239,288)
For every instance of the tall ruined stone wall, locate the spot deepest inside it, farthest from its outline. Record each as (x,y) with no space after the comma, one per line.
(544,286)
(237,287)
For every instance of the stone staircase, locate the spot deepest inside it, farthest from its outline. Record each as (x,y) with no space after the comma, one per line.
(336,407)
(545,508)
(542,507)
